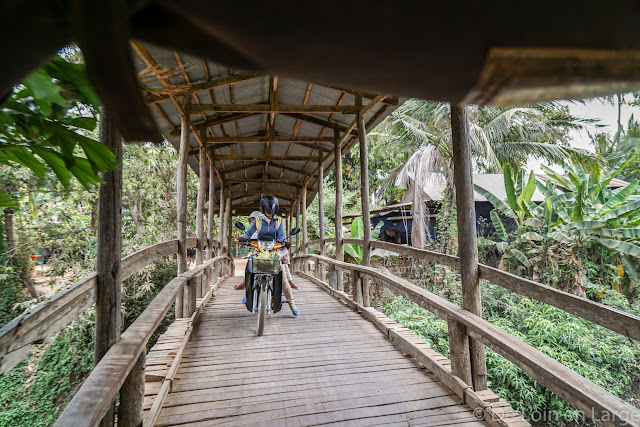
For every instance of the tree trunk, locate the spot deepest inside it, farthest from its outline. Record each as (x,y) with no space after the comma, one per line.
(135,207)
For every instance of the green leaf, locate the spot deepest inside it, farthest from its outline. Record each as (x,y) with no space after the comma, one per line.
(509,188)
(584,225)
(622,233)
(629,268)
(534,222)
(502,246)
(556,235)
(357,228)
(23,156)
(520,257)
(57,165)
(44,91)
(620,196)
(495,218)
(483,241)
(6,201)
(531,235)
(496,202)
(352,252)
(622,210)
(623,247)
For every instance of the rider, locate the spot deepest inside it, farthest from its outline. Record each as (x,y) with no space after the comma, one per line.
(269,227)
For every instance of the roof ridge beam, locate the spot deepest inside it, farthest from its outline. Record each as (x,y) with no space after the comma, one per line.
(279,108)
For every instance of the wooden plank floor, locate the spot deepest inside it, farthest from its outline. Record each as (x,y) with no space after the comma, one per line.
(326,366)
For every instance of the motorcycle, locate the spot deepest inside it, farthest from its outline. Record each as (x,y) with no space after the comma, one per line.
(264,290)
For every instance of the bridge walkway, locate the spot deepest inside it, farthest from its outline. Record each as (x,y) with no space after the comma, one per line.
(327,366)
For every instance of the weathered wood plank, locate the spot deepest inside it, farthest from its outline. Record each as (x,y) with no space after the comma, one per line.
(573,388)
(92,400)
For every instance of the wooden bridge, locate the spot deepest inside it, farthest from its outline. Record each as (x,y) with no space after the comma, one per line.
(341,361)
(329,365)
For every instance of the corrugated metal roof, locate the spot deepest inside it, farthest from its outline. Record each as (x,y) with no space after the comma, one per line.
(172,69)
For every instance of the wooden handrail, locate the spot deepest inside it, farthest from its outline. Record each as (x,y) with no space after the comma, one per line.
(93,399)
(582,394)
(50,316)
(616,320)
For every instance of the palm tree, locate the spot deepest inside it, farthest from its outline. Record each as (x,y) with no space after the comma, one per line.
(498,136)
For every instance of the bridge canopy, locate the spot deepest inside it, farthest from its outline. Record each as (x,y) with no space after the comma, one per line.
(265,134)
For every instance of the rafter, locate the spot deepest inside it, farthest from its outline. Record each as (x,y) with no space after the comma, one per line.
(263,139)
(188,89)
(280,108)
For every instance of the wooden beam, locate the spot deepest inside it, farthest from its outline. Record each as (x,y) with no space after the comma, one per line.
(215,121)
(321,207)
(268,180)
(261,157)
(467,235)
(108,264)
(316,121)
(267,108)
(260,193)
(264,139)
(202,189)
(389,100)
(188,89)
(210,212)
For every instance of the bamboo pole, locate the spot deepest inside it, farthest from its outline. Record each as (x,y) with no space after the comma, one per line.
(364,196)
(338,211)
(467,237)
(305,237)
(228,225)
(298,224)
(221,220)
(109,285)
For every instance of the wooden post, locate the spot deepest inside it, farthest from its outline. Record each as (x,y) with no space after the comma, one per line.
(331,276)
(181,201)
(298,224)
(467,237)
(132,395)
(228,226)
(356,282)
(364,195)
(459,351)
(109,285)
(221,220)
(202,189)
(321,211)
(338,212)
(305,237)
(210,214)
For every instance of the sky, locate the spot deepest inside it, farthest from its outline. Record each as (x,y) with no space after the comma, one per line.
(606,113)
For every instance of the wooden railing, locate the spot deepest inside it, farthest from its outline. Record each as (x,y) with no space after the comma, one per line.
(52,315)
(94,398)
(594,401)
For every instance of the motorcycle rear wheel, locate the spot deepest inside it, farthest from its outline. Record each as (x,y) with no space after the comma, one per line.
(262,311)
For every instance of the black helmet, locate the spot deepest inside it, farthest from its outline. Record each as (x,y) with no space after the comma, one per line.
(269,205)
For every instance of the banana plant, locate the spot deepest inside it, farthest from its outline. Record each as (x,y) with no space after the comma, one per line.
(591,214)
(356,252)
(520,209)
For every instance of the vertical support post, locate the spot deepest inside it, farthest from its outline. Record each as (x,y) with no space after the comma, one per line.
(467,237)
(132,395)
(181,202)
(109,284)
(459,354)
(356,282)
(221,221)
(210,213)
(228,225)
(364,195)
(202,189)
(338,212)
(305,237)
(331,276)
(298,225)
(321,212)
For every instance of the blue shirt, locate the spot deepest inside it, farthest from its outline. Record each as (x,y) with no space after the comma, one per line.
(267,230)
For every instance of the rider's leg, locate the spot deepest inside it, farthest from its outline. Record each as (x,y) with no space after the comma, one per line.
(286,289)
(287,272)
